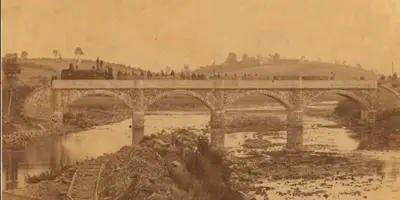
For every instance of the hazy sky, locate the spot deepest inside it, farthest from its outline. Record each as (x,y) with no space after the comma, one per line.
(156,33)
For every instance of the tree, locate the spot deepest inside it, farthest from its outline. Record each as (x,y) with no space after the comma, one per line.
(245,57)
(394,77)
(186,68)
(259,57)
(55,53)
(78,52)
(231,59)
(172,73)
(246,61)
(213,64)
(167,69)
(276,57)
(24,54)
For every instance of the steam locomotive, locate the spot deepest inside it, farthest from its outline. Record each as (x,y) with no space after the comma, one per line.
(96,73)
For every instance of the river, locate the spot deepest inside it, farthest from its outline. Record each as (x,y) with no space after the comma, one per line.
(320,134)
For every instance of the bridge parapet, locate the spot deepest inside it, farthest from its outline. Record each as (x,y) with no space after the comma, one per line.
(214,84)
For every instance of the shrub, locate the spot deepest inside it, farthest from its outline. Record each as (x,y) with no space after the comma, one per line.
(347,108)
(47,175)
(44,176)
(211,169)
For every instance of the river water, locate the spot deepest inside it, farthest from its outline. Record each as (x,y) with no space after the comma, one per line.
(319,134)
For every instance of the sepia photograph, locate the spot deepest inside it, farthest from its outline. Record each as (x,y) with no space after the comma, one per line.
(200,99)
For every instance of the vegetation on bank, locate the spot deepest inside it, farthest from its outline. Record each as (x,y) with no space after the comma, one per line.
(47,175)
(384,134)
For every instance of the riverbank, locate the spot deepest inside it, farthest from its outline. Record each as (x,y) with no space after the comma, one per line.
(383,135)
(257,164)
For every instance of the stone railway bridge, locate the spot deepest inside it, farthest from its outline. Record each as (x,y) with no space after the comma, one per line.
(217,95)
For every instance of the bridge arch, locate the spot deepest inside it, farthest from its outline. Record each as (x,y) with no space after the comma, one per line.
(274,95)
(193,94)
(363,103)
(392,91)
(37,103)
(75,95)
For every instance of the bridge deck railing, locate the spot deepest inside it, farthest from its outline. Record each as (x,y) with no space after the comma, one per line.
(214,84)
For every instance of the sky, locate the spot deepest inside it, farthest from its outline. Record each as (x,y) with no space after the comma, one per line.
(159,33)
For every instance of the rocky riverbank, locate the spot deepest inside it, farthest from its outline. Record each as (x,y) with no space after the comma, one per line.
(167,166)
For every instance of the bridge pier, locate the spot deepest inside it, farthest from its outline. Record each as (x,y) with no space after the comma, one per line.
(369,116)
(294,130)
(217,124)
(137,127)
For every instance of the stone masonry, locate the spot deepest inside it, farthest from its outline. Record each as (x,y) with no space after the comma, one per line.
(217,95)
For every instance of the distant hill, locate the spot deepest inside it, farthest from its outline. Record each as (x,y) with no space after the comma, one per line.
(58,64)
(38,70)
(299,68)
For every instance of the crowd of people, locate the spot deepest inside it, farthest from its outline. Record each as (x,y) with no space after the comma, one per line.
(201,76)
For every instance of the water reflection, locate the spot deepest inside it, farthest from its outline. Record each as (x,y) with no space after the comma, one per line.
(38,156)
(46,153)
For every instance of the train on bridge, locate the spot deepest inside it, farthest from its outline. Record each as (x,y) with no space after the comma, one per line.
(96,73)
